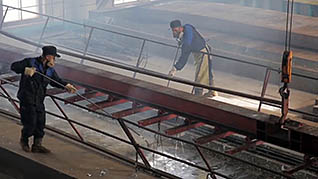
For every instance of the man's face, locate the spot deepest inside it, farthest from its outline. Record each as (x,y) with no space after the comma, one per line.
(50,60)
(176,31)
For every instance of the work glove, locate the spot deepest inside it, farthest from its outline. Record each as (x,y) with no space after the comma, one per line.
(180,39)
(29,71)
(70,88)
(173,71)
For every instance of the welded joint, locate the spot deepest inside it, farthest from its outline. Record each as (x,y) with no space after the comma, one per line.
(247,145)
(308,162)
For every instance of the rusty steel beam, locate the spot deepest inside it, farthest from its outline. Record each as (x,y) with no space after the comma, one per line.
(55,91)
(233,117)
(131,111)
(10,79)
(88,95)
(212,137)
(245,147)
(182,128)
(303,136)
(105,104)
(308,163)
(165,117)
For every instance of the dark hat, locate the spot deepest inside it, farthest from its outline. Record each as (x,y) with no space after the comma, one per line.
(175,23)
(49,50)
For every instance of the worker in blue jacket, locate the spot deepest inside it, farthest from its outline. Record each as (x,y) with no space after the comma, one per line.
(192,42)
(31,94)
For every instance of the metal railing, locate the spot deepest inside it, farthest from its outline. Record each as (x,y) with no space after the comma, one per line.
(138,147)
(124,122)
(136,69)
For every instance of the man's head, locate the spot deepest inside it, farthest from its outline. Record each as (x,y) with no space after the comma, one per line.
(49,54)
(176,28)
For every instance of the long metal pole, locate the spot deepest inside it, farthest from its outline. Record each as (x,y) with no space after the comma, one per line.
(121,122)
(87,43)
(206,162)
(173,63)
(2,20)
(66,118)
(10,99)
(266,79)
(77,93)
(134,143)
(139,57)
(105,112)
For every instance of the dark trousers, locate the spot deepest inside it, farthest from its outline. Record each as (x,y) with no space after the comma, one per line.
(33,121)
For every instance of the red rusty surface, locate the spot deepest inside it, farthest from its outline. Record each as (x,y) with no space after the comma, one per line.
(182,128)
(146,122)
(206,109)
(105,104)
(128,112)
(308,163)
(235,118)
(55,91)
(88,95)
(10,79)
(211,137)
(245,147)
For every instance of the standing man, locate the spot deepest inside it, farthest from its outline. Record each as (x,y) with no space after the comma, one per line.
(191,41)
(31,93)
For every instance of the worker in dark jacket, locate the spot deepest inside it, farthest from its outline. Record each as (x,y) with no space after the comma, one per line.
(192,42)
(32,91)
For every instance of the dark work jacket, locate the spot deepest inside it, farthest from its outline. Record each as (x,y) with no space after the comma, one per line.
(192,41)
(32,90)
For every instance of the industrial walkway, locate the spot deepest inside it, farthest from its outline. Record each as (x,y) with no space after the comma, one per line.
(67,157)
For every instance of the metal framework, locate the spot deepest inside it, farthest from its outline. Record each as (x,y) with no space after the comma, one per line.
(235,119)
(139,148)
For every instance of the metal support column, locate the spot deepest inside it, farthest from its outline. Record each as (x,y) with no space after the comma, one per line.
(132,140)
(65,116)
(87,43)
(139,57)
(266,79)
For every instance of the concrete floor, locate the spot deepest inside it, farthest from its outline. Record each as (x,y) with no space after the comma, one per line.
(68,157)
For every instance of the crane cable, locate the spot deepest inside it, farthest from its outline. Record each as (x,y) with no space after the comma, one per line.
(286,62)
(288,30)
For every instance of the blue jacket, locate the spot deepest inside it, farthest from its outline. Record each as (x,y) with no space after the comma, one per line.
(32,90)
(192,42)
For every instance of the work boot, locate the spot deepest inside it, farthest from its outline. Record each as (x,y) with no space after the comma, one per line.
(38,148)
(210,94)
(198,91)
(24,143)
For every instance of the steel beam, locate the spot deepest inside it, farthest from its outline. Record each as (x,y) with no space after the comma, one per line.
(106,103)
(233,117)
(88,95)
(214,136)
(306,164)
(131,111)
(245,147)
(10,79)
(182,128)
(55,91)
(165,117)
